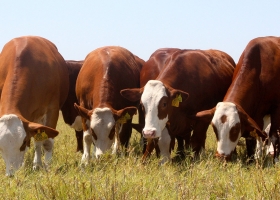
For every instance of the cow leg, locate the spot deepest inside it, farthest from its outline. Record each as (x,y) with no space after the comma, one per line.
(274,133)
(125,134)
(181,147)
(87,139)
(118,128)
(37,162)
(48,148)
(79,137)
(164,146)
(50,120)
(149,148)
(199,136)
(251,147)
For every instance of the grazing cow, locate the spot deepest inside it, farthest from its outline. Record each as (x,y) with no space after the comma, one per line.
(104,111)
(35,87)
(252,94)
(200,76)
(69,113)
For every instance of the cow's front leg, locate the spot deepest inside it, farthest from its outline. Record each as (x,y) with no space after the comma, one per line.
(164,146)
(37,162)
(48,149)
(87,139)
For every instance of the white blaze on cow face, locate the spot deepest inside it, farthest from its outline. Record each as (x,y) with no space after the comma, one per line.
(227,127)
(101,124)
(154,92)
(12,135)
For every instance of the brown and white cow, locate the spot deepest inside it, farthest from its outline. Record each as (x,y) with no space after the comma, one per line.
(35,87)
(202,77)
(105,72)
(69,113)
(253,94)
(150,71)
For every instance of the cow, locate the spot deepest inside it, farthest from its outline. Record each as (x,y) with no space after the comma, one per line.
(35,87)
(69,113)
(252,94)
(191,81)
(150,71)
(106,115)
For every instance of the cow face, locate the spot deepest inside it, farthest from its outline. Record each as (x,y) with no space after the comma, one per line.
(229,121)
(101,123)
(12,135)
(15,134)
(227,127)
(157,102)
(155,106)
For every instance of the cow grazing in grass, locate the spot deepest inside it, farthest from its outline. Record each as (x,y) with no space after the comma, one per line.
(252,94)
(35,87)
(69,113)
(191,81)
(105,113)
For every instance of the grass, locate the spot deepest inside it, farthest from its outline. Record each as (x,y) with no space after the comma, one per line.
(120,177)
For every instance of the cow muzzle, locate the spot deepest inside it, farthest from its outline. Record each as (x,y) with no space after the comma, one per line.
(149,134)
(223,157)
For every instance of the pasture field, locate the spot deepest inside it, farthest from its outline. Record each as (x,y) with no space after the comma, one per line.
(125,177)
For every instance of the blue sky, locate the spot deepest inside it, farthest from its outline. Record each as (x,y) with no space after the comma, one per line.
(78,27)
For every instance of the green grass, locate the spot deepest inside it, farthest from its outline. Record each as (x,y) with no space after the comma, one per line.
(120,177)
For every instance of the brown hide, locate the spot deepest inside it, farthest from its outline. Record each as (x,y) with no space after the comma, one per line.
(69,113)
(205,76)
(105,72)
(255,85)
(36,82)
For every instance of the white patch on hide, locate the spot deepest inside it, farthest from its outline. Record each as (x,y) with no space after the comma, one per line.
(225,145)
(102,122)
(153,92)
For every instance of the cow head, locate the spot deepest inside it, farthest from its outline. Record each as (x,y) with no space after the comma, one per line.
(157,102)
(101,124)
(15,135)
(229,121)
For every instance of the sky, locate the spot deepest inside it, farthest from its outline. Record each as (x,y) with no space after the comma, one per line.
(142,27)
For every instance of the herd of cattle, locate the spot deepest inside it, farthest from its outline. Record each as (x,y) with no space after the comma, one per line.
(177,94)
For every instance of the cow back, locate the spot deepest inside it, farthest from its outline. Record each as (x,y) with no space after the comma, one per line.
(105,72)
(36,77)
(205,75)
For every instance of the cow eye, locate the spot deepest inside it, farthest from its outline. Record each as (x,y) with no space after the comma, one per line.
(164,104)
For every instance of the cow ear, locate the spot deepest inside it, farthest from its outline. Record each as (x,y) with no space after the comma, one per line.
(125,114)
(205,115)
(177,96)
(41,132)
(83,112)
(133,94)
(249,123)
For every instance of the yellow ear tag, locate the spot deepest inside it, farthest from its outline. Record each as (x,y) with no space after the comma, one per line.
(254,134)
(124,118)
(177,100)
(40,136)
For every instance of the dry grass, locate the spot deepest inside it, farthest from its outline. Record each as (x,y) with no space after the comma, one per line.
(120,177)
